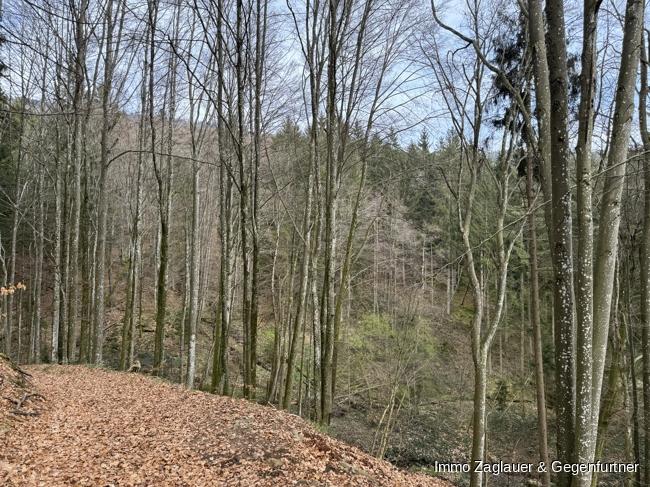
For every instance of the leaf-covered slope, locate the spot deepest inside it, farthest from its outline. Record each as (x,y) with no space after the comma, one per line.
(19,398)
(110,428)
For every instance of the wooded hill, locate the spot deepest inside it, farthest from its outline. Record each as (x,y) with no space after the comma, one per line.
(425,228)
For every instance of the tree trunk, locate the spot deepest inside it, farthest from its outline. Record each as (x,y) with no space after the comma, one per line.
(542,430)
(194,278)
(610,211)
(562,251)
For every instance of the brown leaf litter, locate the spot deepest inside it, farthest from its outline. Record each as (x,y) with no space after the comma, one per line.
(102,428)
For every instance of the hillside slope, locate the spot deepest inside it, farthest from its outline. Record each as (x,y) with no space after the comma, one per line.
(108,428)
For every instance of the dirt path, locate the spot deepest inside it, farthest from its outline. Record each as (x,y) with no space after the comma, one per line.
(102,428)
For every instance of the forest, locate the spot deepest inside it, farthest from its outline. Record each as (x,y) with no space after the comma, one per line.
(422,226)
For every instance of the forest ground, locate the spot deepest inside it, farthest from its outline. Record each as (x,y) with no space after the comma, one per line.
(90,426)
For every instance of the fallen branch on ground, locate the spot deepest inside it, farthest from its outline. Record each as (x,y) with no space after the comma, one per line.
(20,412)
(18,404)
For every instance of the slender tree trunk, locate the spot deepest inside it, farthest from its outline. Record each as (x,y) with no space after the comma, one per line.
(478,419)
(645,265)
(614,375)
(584,262)
(39,229)
(260,56)
(542,431)
(77,144)
(522,329)
(610,212)
(110,56)
(164,177)
(56,292)
(635,400)
(133,283)
(194,278)
(300,312)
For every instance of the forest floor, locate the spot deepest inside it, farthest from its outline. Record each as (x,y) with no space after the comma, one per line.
(90,426)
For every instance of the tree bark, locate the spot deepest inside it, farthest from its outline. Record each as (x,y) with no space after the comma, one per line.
(540,390)
(562,252)
(610,213)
